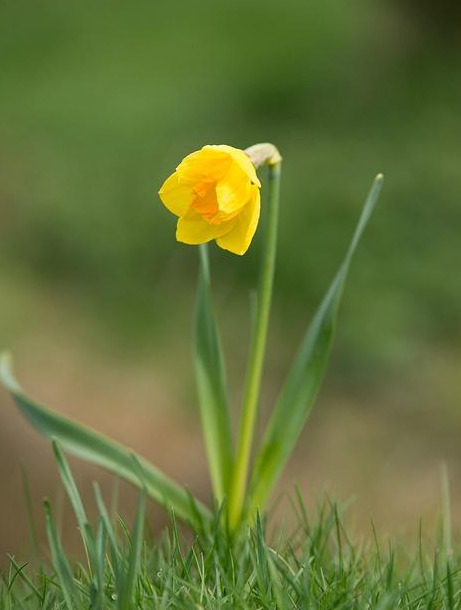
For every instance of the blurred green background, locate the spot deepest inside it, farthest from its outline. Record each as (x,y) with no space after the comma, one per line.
(100,101)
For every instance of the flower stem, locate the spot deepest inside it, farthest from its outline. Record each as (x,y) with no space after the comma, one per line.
(257,351)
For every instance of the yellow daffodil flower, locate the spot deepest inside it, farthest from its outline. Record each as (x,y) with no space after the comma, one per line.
(215,193)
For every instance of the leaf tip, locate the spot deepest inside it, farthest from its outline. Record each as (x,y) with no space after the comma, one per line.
(6,372)
(5,361)
(47,506)
(56,447)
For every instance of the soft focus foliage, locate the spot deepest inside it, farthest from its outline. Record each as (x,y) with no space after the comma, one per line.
(99,101)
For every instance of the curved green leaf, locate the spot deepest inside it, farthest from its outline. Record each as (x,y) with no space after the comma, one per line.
(98,449)
(304,379)
(211,383)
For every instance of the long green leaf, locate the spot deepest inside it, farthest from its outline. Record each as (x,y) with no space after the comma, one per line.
(211,382)
(98,449)
(304,379)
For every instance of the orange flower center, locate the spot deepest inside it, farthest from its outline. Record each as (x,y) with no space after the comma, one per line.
(206,204)
(205,201)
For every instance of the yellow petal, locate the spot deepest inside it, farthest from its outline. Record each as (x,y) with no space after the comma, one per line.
(208,163)
(233,191)
(238,239)
(241,158)
(176,195)
(194,229)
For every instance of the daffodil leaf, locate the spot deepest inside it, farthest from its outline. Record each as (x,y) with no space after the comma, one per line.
(304,379)
(211,383)
(98,449)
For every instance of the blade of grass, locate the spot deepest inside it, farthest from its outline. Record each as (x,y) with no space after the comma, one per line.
(20,571)
(98,449)
(99,563)
(30,515)
(134,561)
(60,562)
(77,504)
(104,514)
(304,379)
(104,517)
(446,514)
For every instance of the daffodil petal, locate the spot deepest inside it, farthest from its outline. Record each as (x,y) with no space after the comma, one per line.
(194,229)
(233,191)
(176,195)
(209,164)
(241,158)
(238,239)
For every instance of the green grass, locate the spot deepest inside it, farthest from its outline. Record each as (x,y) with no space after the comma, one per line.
(316,564)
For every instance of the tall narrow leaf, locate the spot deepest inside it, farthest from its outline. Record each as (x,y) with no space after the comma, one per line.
(98,449)
(304,379)
(211,382)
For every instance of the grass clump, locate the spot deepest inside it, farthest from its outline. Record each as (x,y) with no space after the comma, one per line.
(318,565)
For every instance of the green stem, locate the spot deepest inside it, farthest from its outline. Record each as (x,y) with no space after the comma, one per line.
(257,352)
(205,262)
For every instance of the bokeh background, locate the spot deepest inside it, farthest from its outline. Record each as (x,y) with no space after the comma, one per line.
(98,104)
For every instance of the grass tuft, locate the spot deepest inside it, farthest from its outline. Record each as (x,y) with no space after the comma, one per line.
(317,564)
